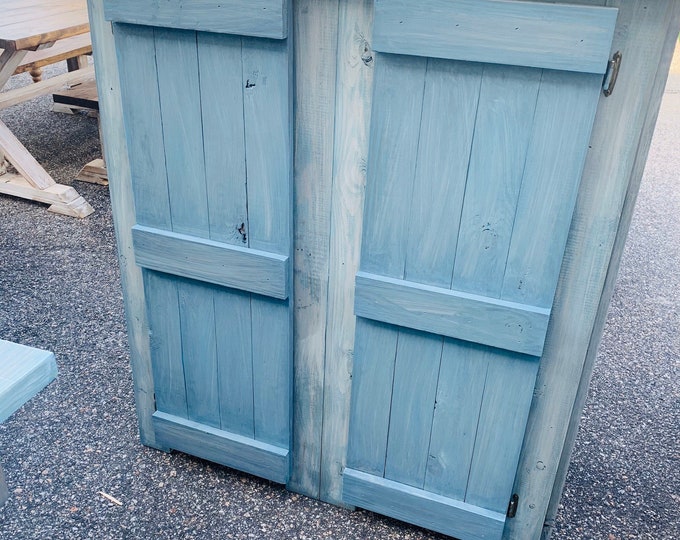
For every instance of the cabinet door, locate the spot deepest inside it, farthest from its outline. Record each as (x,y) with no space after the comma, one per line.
(207,109)
(482,112)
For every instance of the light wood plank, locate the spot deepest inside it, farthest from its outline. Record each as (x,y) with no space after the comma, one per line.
(63,49)
(261,18)
(504,122)
(25,164)
(544,35)
(316,29)
(508,325)
(352,108)
(422,508)
(166,344)
(254,457)
(261,272)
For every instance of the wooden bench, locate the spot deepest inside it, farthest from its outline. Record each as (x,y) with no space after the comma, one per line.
(24,371)
(72,49)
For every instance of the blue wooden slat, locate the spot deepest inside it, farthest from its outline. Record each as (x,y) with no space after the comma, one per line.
(262,18)
(504,122)
(268,134)
(219,61)
(551,178)
(475,318)
(372,373)
(254,457)
(176,56)
(235,361)
(446,130)
(574,38)
(462,377)
(24,371)
(413,395)
(502,421)
(215,262)
(143,128)
(199,354)
(395,118)
(162,304)
(420,507)
(272,370)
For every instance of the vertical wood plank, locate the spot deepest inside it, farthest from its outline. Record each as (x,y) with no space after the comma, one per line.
(234,361)
(221,98)
(139,90)
(446,130)
(502,419)
(352,112)
(395,119)
(462,378)
(415,384)
(197,317)
(122,205)
(177,57)
(373,373)
(272,371)
(316,35)
(549,186)
(504,121)
(166,344)
(268,119)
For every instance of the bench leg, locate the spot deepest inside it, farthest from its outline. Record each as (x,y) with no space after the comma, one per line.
(77,62)
(4,493)
(36,74)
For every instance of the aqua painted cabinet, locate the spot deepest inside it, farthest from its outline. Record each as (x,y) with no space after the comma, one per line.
(364,244)
(209,133)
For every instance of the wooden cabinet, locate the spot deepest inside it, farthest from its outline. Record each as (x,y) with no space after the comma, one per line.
(367,246)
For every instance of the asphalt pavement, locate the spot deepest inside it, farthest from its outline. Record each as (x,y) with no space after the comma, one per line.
(77,442)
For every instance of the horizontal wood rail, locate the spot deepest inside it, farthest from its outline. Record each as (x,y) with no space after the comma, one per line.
(251,270)
(489,321)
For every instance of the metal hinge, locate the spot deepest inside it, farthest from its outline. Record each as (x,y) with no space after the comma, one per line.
(611,74)
(512,505)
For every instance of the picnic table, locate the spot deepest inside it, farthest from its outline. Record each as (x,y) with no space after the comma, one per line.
(34,33)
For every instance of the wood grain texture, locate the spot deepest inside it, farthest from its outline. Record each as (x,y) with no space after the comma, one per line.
(261,18)
(422,508)
(249,455)
(123,209)
(166,344)
(316,29)
(615,141)
(252,270)
(511,326)
(545,35)
(24,371)
(352,109)
(199,353)
(142,115)
(372,375)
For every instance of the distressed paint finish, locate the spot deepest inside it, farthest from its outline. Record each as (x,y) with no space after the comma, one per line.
(498,244)
(216,274)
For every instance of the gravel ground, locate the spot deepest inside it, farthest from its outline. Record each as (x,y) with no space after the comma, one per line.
(60,290)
